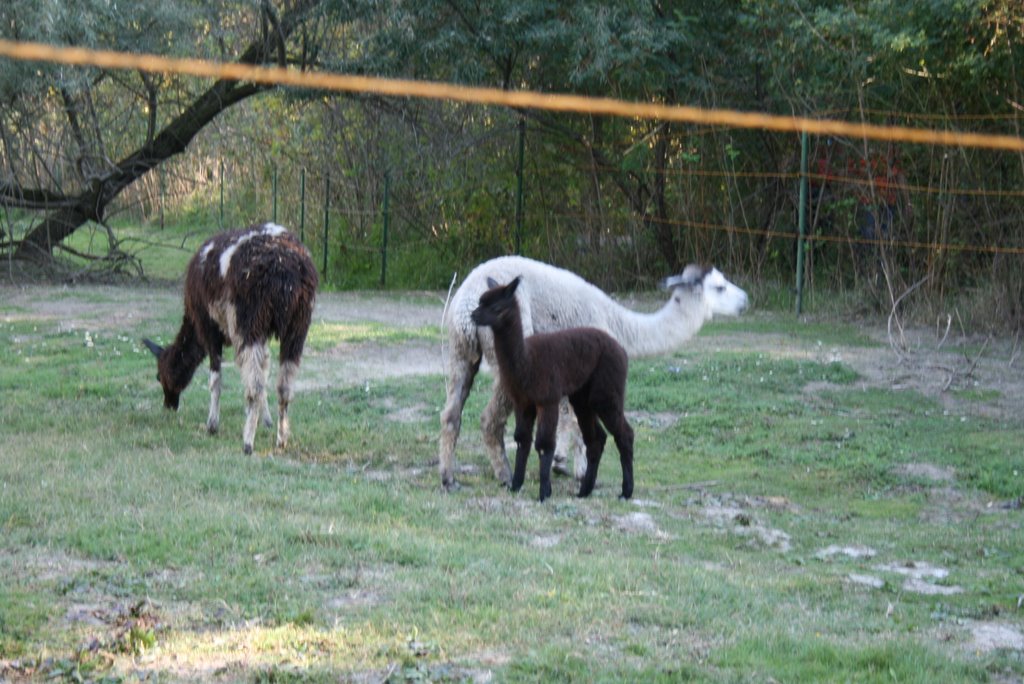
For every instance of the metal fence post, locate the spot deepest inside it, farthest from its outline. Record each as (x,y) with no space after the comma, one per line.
(222,194)
(302,206)
(519,186)
(384,241)
(327,209)
(802,221)
(273,167)
(160,178)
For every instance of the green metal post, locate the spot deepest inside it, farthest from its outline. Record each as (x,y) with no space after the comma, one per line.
(222,195)
(274,182)
(519,185)
(160,177)
(384,241)
(302,206)
(327,210)
(802,219)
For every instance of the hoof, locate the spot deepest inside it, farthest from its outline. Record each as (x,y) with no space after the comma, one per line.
(624,496)
(212,429)
(247,449)
(560,468)
(450,487)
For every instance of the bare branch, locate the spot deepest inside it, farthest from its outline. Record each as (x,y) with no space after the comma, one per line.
(900,346)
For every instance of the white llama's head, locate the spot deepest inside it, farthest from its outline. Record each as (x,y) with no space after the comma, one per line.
(720,297)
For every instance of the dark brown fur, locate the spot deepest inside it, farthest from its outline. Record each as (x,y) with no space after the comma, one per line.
(585,364)
(270,285)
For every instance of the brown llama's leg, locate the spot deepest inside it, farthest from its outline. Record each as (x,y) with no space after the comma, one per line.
(547,426)
(524,439)
(267,420)
(289,356)
(215,346)
(213,417)
(594,438)
(250,361)
(492,424)
(285,383)
(459,385)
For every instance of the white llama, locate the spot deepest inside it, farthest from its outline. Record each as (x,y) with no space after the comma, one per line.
(551,299)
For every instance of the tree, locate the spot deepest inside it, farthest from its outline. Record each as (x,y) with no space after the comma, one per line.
(636,50)
(73,139)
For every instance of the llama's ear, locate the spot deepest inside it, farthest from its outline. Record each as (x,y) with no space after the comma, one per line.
(692,275)
(514,284)
(491,283)
(153,347)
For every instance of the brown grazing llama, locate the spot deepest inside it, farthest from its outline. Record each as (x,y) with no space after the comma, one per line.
(243,287)
(586,365)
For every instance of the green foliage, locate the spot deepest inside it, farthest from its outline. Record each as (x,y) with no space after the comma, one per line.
(143,26)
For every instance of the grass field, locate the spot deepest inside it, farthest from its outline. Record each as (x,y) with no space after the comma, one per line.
(809,507)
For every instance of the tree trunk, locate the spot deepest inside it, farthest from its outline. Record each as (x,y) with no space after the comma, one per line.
(663,230)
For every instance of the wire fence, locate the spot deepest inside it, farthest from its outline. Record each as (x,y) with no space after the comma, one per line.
(345,229)
(864,204)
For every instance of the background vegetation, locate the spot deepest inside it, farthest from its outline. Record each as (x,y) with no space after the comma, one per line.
(623,202)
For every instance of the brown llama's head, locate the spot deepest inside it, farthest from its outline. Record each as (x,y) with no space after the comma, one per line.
(166,375)
(497,304)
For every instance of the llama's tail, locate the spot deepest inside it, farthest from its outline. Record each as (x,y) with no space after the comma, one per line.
(444,332)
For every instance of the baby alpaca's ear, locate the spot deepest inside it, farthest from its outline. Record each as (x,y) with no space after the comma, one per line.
(513,285)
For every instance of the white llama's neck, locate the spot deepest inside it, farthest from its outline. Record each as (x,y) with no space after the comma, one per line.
(660,332)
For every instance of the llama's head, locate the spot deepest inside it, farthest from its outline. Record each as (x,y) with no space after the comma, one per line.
(166,375)
(496,304)
(720,297)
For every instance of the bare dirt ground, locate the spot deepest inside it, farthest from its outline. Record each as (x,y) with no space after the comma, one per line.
(989,366)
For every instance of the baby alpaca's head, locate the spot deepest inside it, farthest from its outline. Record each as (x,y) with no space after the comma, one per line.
(496,304)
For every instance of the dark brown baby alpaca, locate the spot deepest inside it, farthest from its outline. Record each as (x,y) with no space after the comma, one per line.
(584,364)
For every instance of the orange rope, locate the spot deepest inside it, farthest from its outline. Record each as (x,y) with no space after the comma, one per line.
(493,96)
(837,179)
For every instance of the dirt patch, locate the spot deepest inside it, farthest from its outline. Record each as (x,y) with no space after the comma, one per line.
(44,565)
(969,375)
(855,552)
(348,365)
(638,523)
(927,471)
(657,421)
(992,636)
(546,541)
(421,309)
(920,578)
(94,308)
(735,515)
(866,580)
